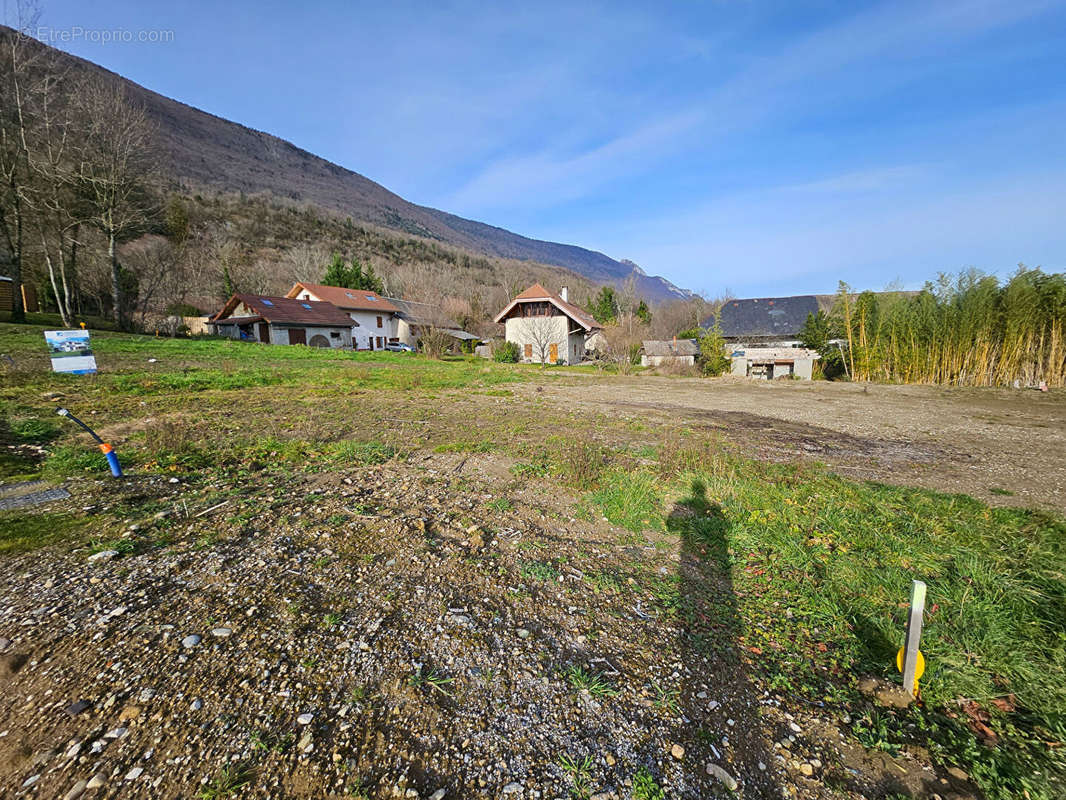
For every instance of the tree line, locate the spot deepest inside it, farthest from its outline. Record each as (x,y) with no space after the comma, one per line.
(965,330)
(76,164)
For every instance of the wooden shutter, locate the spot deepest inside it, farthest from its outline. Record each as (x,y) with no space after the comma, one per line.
(529,351)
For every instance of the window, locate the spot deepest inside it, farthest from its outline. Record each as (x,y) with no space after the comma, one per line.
(379,322)
(529,351)
(266,302)
(334,335)
(380,343)
(306,305)
(538,309)
(371,299)
(349,294)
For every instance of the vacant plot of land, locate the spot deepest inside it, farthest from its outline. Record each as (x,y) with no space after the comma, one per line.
(1005,446)
(381,576)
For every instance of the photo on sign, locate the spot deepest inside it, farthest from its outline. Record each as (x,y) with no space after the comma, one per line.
(71,352)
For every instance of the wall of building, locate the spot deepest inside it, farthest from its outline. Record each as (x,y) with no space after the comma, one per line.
(279,334)
(365,331)
(406,332)
(577,348)
(526,331)
(658,361)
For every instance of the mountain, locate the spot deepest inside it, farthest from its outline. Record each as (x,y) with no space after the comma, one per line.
(202,150)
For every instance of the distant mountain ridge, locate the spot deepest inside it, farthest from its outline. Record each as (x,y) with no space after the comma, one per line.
(204,150)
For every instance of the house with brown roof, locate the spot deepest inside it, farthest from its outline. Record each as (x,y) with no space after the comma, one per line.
(283,320)
(547,327)
(374,319)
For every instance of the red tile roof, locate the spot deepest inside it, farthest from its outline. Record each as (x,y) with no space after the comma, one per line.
(355,299)
(287,311)
(538,292)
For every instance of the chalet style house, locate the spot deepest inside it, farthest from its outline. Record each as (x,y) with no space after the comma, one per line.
(547,327)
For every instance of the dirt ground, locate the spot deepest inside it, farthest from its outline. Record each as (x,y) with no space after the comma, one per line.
(1003,446)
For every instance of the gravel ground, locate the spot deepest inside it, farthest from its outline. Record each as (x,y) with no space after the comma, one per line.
(394,631)
(1006,447)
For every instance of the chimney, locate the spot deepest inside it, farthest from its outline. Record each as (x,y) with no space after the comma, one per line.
(565,294)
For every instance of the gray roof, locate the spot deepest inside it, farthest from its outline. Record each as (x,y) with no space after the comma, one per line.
(422,313)
(765,316)
(682,347)
(458,334)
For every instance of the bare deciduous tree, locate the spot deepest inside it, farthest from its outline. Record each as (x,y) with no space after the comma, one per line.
(624,338)
(542,333)
(16,91)
(53,145)
(434,341)
(114,174)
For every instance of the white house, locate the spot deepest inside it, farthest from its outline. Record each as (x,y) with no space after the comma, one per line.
(547,327)
(282,320)
(374,318)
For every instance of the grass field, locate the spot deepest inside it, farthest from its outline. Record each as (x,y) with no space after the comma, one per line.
(819,566)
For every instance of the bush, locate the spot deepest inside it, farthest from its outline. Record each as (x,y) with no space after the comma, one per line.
(506,352)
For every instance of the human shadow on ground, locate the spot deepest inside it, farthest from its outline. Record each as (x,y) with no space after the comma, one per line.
(722,735)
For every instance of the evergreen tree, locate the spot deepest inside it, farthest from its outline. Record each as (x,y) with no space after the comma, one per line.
(229,288)
(604,306)
(351,276)
(337,273)
(643,313)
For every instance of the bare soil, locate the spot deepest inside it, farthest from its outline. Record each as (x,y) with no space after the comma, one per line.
(1006,447)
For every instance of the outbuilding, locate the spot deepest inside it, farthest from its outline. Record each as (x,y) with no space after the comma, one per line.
(769,363)
(283,320)
(673,352)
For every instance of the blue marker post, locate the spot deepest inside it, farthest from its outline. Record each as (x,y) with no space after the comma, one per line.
(105,448)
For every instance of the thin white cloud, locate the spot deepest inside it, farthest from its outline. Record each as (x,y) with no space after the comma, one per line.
(824,63)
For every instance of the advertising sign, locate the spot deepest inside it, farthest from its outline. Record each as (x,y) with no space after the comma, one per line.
(71,352)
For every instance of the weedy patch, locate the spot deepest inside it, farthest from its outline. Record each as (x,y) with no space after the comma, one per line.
(645,787)
(434,680)
(483,446)
(20,532)
(228,781)
(538,570)
(632,500)
(363,453)
(580,773)
(582,680)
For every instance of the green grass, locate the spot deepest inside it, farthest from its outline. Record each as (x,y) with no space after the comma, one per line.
(584,681)
(812,570)
(632,500)
(840,556)
(363,453)
(21,532)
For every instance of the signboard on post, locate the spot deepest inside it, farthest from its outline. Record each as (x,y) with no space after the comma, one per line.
(71,352)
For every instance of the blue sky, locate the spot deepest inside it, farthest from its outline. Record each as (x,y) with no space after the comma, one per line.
(759,147)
